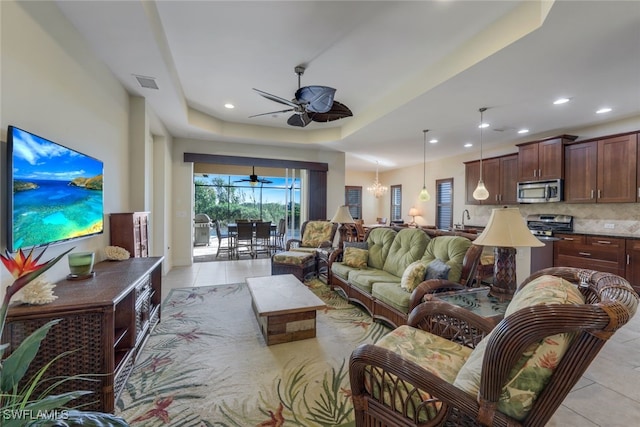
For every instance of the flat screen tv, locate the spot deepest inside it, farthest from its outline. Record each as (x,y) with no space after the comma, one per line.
(54,193)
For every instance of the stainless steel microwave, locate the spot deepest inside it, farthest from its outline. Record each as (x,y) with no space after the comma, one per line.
(540,191)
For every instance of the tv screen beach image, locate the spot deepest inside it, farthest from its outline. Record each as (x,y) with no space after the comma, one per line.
(57,192)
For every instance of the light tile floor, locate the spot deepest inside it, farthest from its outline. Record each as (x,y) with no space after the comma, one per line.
(608,395)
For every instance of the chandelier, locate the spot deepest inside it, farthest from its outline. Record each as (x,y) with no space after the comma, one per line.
(376,188)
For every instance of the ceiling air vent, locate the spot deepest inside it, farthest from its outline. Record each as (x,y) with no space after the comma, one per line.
(147,82)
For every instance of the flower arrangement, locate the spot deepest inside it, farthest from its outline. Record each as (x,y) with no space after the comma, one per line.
(18,405)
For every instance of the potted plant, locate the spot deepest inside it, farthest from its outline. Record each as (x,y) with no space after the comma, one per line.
(19,406)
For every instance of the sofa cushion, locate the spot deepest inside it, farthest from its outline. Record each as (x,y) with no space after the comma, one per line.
(379,242)
(437,269)
(317,233)
(532,372)
(392,294)
(354,257)
(449,249)
(413,275)
(364,279)
(292,258)
(359,245)
(341,270)
(408,246)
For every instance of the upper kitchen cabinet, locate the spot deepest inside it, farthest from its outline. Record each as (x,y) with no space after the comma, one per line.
(542,160)
(602,171)
(500,178)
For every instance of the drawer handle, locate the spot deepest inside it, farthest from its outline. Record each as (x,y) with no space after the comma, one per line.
(584,253)
(571,239)
(603,242)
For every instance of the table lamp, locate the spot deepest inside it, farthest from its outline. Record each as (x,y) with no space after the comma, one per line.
(342,216)
(413,213)
(506,231)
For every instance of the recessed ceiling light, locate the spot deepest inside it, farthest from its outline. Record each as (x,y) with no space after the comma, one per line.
(561,101)
(483,125)
(523,131)
(603,110)
(433,141)
(229,105)
(468,144)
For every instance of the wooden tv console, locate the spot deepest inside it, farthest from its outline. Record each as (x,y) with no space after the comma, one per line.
(106,320)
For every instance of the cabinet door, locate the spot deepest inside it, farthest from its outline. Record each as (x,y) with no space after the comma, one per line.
(528,162)
(472,174)
(617,169)
(550,159)
(509,179)
(633,263)
(491,176)
(580,172)
(144,235)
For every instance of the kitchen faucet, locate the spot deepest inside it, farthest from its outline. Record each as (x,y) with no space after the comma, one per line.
(468,217)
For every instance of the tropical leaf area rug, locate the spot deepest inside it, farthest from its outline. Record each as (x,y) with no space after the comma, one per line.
(207,364)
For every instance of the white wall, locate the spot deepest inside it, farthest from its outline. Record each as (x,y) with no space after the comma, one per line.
(52,85)
(183,181)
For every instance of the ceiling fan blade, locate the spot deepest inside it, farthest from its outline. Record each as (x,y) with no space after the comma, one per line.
(318,99)
(273,112)
(337,111)
(299,120)
(277,98)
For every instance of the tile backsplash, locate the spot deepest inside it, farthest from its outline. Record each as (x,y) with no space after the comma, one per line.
(587,218)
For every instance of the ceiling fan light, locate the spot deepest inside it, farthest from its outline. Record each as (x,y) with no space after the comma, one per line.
(424,195)
(481,192)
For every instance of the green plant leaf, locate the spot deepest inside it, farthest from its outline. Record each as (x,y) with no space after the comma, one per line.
(15,366)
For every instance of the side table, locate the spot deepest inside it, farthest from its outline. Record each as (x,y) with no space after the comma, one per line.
(476,300)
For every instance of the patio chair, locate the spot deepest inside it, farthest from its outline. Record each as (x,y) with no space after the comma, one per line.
(224,241)
(449,367)
(262,240)
(244,239)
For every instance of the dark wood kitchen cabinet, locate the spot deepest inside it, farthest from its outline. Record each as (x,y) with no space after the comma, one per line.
(633,263)
(500,178)
(606,254)
(602,171)
(544,159)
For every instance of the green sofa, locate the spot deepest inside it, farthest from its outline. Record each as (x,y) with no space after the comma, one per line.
(395,268)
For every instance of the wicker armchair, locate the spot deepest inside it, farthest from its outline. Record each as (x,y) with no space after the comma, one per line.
(390,389)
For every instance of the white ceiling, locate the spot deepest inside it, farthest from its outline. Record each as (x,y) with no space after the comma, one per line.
(400,66)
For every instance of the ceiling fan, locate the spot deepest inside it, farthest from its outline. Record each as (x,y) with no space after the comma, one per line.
(254,180)
(311,103)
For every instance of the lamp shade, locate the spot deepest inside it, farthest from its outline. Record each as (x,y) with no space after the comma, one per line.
(507,228)
(342,216)
(414,212)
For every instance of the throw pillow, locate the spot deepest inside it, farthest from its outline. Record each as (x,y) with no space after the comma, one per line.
(437,269)
(354,257)
(532,372)
(412,276)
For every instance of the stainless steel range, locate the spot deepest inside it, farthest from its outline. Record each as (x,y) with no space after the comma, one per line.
(544,225)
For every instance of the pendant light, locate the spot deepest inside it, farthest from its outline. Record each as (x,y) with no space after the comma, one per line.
(424,194)
(481,192)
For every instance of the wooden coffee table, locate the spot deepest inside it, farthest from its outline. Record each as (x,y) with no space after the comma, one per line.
(284,307)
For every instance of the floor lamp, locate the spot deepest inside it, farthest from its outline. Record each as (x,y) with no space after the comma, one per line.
(342,216)
(505,231)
